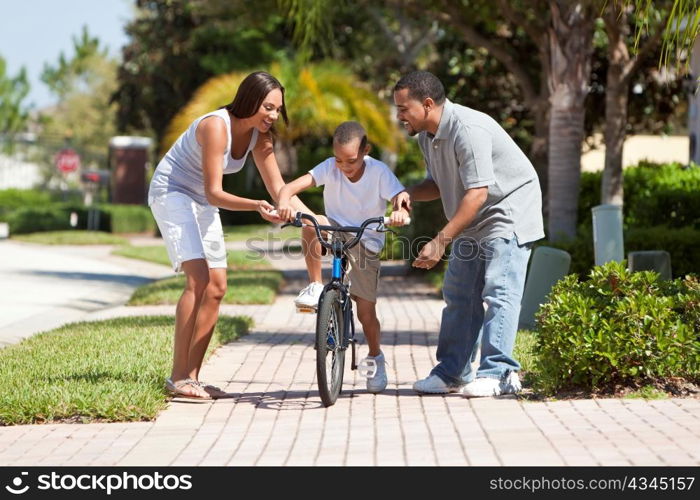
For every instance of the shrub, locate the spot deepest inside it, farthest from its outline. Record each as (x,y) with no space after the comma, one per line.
(32,219)
(654,195)
(618,327)
(683,244)
(13,199)
(127,219)
(56,216)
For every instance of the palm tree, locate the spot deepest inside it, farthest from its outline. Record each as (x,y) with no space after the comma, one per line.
(319,97)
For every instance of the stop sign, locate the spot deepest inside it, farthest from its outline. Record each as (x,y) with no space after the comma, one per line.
(67,160)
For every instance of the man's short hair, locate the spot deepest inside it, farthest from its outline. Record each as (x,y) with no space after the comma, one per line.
(348,131)
(421,85)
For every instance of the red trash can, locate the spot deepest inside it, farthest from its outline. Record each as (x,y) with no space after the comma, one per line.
(129,159)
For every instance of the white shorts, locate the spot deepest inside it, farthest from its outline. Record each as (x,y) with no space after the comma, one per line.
(190,230)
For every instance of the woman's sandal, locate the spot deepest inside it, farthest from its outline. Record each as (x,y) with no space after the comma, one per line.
(176,389)
(212,390)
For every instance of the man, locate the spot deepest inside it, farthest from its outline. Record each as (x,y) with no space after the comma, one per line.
(492,200)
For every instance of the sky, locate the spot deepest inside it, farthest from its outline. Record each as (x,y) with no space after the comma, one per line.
(35,32)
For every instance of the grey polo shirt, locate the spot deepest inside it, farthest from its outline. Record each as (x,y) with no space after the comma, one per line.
(471,150)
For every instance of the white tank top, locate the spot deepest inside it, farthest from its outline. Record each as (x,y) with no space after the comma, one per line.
(180,170)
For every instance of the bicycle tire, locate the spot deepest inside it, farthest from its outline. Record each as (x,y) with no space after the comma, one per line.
(330,355)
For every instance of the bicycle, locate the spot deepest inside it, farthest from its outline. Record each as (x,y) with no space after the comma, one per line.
(335,327)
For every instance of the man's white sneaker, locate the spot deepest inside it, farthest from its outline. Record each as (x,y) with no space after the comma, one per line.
(374,368)
(433,384)
(511,384)
(308,297)
(484,387)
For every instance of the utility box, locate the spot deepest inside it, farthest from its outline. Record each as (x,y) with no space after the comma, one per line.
(651,260)
(607,234)
(548,266)
(129,158)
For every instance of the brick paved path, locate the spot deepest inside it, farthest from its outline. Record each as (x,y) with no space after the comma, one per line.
(276,417)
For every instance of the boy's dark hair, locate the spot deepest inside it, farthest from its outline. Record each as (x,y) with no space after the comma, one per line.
(421,85)
(347,131)
(251,93)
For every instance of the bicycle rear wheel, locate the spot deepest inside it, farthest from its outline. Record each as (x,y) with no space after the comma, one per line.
(330,355)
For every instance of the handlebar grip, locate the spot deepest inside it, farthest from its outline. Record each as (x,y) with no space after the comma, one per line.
(406,223)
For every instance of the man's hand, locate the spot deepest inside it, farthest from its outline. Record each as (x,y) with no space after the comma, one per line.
(398,218)
(265,211)
(431,253)
(402,200)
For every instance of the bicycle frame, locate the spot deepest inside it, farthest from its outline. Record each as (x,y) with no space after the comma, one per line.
(338,247)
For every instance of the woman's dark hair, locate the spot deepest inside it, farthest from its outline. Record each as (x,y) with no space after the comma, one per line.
(252,92)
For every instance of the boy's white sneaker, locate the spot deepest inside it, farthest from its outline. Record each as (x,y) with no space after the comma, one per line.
(308,297)
(433,384)
(483,387)
(374,368)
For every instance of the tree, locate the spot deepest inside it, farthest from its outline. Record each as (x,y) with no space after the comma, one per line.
(510,30)
(83,82)
(623,65)
(561,33)
(176,46)
(570,37)
(13,91)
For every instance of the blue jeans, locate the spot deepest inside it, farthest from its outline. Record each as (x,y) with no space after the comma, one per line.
(492,272)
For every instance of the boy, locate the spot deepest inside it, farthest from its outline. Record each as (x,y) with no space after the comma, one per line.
(357,187)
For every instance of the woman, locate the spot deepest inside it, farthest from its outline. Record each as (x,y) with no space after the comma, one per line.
(185,195)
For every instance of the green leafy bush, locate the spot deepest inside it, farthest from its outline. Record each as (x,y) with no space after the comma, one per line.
(127,219)
(56,217)
(654,195)
(683,244)
(43,217)
(13,199)
(618,327)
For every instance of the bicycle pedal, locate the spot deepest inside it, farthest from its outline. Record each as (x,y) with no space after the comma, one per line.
(306,310)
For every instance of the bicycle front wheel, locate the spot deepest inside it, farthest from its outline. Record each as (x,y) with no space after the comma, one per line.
(330,355)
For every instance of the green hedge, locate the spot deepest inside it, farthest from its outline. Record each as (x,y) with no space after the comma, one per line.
(654,195)
(33,219)
(13,199)
(618,327)
(683,244)
(127,219)
(56,217)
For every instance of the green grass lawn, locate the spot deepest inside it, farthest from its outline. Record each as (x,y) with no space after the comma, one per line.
(111,370)
(156,254)
(75,237)
(237,259)
(525,352)
(244,287)
(243,233)
(251,278)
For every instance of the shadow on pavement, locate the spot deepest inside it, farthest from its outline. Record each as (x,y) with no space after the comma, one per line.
(126,279)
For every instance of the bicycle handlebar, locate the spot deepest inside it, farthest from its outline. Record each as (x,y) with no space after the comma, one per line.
(345,229)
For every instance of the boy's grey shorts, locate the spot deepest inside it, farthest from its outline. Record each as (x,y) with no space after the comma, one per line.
(364,270)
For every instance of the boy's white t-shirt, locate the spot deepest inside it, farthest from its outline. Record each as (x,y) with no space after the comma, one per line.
(351,203)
